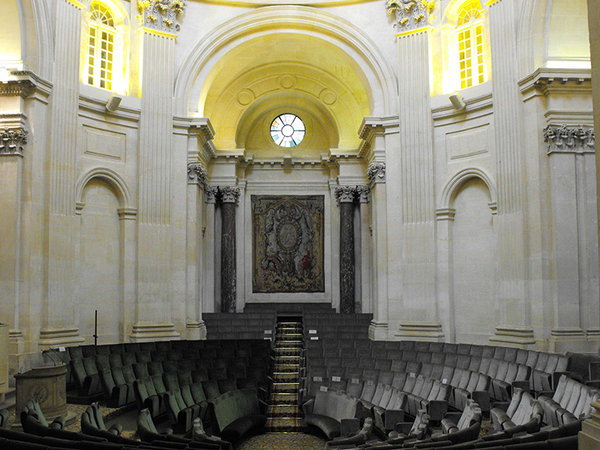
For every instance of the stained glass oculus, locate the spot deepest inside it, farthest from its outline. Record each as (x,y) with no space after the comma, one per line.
(287,130)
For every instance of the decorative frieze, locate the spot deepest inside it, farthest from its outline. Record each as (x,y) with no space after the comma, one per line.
(12,141)
(569,139)
(229,194)
(376,172)
(196,174)
(161,15)
(410,14)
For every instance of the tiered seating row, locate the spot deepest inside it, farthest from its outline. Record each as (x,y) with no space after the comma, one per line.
(251,325)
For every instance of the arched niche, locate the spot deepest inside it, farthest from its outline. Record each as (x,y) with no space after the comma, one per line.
(320,40)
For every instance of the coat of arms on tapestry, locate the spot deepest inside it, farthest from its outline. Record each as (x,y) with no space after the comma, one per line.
(287,243)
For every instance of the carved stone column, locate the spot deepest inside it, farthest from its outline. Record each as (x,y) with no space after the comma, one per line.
(229,199)
(345,196)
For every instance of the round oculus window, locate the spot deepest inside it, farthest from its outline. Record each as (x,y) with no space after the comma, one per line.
(287,130)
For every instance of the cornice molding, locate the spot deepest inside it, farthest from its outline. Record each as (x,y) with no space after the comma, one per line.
(547,81)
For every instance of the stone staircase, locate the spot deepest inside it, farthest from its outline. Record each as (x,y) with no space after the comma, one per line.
(283,412)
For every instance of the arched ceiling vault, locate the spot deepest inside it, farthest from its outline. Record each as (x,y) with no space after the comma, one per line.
(285,72)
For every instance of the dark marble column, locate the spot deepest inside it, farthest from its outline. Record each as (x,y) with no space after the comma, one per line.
(345,196)
(229,198)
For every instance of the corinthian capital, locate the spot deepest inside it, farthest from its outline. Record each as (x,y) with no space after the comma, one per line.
(12,141)
(345,194)
(229,194)
(196,174)
(376,172)
(161,15)
(410,14)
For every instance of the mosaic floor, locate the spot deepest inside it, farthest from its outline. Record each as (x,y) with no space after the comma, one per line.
(283,441)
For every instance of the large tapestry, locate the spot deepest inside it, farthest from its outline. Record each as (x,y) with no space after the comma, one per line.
(287,243)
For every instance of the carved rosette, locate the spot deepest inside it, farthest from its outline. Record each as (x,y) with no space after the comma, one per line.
(363,193)
(211,193)
(376,173)
(12,141)
(196,174)
(229,194)
(569,139)
(345,194)
(410,14)
(161,15)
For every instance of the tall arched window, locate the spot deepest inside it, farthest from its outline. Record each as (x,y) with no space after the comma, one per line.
(471,47)
(101,42)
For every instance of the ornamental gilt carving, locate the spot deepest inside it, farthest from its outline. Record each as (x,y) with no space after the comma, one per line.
(376,172)
(12,141)
(161,15)
(196,174)
(564,138)
(229,194)
(409,14)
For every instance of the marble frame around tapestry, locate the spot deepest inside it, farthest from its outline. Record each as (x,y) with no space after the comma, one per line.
(287,243)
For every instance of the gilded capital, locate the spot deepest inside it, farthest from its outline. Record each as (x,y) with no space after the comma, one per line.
(12,141)
(410,15)
(161,15)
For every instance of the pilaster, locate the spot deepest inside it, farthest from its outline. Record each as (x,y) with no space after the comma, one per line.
(419,307)
(155,233)
(515,327)
(61,310)
(209,243)
(197,176)
(364,200)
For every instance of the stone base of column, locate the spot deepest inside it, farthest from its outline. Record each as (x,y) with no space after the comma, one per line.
(195,330)
(145,332)
(519,337)
(420,331)
(575,340)
(16,350)
(59,337)
(378,331)
(589,436)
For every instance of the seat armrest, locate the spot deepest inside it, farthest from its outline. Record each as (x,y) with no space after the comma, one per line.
(521,385)
(58,423)
(403,427)
(116,429)
(308,406)
(453,416)
(349,427)
(501,405)
(556,376)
